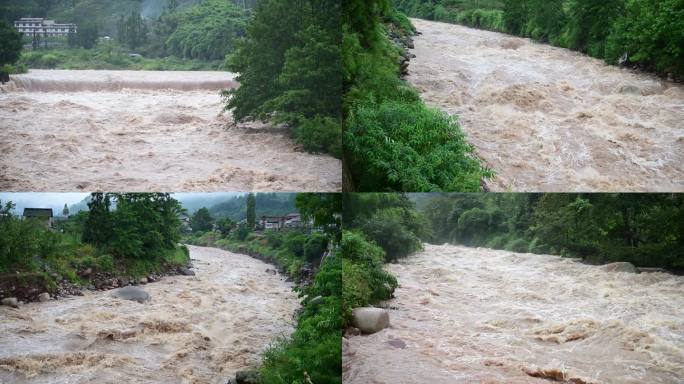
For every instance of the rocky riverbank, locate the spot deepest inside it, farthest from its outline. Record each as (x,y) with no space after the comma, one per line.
(23,287)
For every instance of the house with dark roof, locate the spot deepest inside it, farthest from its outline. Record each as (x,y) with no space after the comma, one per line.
(42,215)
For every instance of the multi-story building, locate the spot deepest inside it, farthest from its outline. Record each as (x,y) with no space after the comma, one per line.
(38,26)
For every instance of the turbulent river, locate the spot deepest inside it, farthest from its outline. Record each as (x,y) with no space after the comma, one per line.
(197,329)
(473,315)
(549,119)
(144,131)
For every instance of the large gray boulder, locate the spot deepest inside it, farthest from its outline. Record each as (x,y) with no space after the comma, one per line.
(370,320)
(620,267)
(186,271)
(11,301)
(43,297)
(132,293)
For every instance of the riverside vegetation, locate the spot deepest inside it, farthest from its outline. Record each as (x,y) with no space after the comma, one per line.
(312,258)
(643,33)
(138,238)
(392,140)
(644,229)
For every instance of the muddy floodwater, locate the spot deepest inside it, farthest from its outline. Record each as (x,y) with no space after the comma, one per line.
(196,329)
(548,119)
(474,315)
(144,131)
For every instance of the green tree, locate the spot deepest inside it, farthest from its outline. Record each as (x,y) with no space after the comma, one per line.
(10,44)
(289,66)
(65,211)
(251,211)
(97,229)
(201,220)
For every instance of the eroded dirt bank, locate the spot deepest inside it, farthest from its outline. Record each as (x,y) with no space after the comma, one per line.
(474,315)
(197,329)
(549,119)
(143,131)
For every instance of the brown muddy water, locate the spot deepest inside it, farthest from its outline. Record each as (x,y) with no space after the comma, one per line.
(474,315)
(548,119)
(144,131)
(196,329)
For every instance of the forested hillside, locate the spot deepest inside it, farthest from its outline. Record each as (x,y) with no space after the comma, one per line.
(645,33)
(173,30)
(644,229)
(393,141)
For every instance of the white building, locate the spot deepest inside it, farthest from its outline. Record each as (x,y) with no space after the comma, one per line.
(38,26)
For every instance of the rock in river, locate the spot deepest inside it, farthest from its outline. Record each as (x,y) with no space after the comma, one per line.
(11,301)
(620,267)
(43,297)
(132,293)
(186,271)
(370,320)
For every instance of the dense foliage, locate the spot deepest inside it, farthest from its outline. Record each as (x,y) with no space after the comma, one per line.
(137,237)
(289,66)
(265,204)
(645,229)
(392,141)
(207,31)
(378,228)
(10,44)
(143,225)
(168,34)
(646,33)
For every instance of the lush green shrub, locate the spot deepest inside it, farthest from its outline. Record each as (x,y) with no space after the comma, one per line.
(320,134)
(386,228)
(517,245)
(315,246)
(242,231)
(365,280)
(651,34)
(409,147)
(294,242)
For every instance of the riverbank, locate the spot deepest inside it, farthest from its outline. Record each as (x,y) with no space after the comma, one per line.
(85,270)
(179,335)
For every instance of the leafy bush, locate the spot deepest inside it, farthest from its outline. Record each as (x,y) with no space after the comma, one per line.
(517,245)
(409,147)
(320,134)
(365,280)
(386,229)
(207,31)
(243,231)
(294,242)
(315,246)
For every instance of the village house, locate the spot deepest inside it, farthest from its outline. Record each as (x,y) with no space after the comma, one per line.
(42,215)
(291,221)
(38,26)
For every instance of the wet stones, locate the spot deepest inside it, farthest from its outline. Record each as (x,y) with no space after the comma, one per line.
(370,320)
(132,293)
(186,271)
(43,297)
(11,302)
(620,267)
(247,377)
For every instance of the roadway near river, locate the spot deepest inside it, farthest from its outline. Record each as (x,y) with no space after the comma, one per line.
(548,119)
(195,329)
(475,315)
(144,131)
